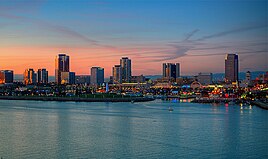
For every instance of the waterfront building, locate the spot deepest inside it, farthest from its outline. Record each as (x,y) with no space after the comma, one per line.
(111,80)
(248,76)
(138,79)
(125,63)
(97,76)
(204,78)
(42,76)
(71,77)
(6,76)
(117,74)
(29,76)
(61,65)
(171,70)
(67,77)
(82,79)
(231,68)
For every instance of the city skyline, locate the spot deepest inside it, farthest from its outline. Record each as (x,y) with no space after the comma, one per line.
(98,33)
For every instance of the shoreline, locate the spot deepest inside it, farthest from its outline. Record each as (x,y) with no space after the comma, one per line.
(77,99)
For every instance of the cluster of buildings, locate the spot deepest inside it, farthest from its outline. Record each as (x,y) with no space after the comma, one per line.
(6,76)
(32,77)
(122,74)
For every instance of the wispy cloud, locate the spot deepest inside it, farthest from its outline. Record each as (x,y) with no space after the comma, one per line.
(189,35)
(224,53)
(234,31)
(186,45)
(63,30)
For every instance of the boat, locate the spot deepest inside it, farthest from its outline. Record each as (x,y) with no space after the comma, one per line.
(170,109)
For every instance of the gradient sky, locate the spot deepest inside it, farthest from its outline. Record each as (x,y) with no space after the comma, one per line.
(195,33)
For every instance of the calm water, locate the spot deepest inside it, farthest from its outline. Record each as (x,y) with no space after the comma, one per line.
(30,129)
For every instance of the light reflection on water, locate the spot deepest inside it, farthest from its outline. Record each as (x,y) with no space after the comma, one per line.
(31,129)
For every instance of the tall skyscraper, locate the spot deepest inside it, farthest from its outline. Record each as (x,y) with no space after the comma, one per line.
(42,76)
(61,65)
(29,76)
(231,68)
(6,76)
(97,76)
(117,74)
(171,70)
(125,63)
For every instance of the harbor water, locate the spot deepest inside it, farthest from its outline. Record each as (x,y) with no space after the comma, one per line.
(37,129)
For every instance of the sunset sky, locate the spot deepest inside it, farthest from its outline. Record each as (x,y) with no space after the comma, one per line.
(195,33)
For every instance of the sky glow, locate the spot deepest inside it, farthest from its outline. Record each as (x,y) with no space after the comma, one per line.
(195,33)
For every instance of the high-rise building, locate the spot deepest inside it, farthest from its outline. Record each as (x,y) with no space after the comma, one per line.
(42,76)
(231,68)
(29,76)
(97,76)
(117,74)
(171,70)
(61,65)
(6,76)
(125,63)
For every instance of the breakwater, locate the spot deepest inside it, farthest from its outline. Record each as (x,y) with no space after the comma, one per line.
(260,104)
(78,99)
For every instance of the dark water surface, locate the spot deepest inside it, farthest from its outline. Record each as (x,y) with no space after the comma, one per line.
(31,129)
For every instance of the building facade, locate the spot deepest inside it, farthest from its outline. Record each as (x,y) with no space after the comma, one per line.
(171,70)
(125,63)
(82,79)
(248,76)
(29,76)
(6,76)
(138,79)
(204,78)
(117,74)
(62,64)
(67,78)
(231,68)
(42,76)
(97,76)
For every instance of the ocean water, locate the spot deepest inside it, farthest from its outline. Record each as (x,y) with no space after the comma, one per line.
(33,129)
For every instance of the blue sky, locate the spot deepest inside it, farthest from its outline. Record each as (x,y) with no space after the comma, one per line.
(150,32)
